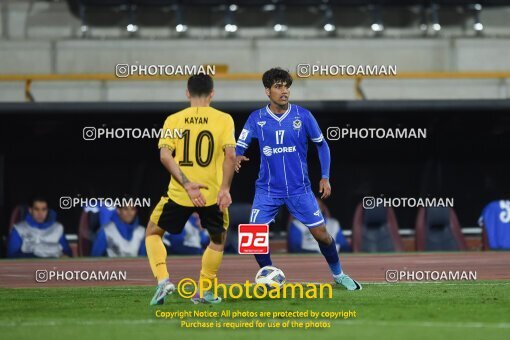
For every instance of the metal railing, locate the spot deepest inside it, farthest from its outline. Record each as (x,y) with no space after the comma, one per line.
(28,79)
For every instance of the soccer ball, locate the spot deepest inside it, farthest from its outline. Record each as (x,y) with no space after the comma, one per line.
(270,276)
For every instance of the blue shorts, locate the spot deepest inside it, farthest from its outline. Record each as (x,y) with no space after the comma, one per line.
(303,207)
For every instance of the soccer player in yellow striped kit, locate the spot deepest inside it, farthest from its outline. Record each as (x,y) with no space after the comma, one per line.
(201,163)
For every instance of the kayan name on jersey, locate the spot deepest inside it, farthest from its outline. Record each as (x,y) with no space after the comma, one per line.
(196,120)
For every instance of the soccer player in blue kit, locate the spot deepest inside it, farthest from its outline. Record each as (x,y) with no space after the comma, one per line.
(283,131)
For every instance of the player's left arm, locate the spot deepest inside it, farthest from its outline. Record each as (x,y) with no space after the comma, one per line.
(314,133)
(224,199)
(228,143)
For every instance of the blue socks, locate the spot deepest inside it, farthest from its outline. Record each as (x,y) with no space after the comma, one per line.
(331,255)
(264,260)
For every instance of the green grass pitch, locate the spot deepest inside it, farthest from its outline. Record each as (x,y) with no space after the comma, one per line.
(452,310)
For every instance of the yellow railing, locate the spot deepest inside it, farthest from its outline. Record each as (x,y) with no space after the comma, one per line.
(28,79)
(248,76)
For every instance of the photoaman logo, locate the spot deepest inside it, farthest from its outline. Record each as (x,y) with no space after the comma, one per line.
(188,288)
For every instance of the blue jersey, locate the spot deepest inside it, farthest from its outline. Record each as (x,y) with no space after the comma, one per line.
(495,219)
(283,142)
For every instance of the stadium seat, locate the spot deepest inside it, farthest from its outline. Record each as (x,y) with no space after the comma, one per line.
(438,229)
(375,230)
(100,12)
(17,214)
(89,224)
(239,213)
(153,3)
(485,240)
(107,13)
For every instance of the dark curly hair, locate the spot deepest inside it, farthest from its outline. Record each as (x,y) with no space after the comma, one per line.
(276,75)
(37,198)
(200,85)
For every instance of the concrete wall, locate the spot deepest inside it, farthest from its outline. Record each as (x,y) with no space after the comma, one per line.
(410,55)
(43,39)
(101,56)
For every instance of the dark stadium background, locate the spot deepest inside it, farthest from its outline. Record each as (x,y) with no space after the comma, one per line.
(466,155)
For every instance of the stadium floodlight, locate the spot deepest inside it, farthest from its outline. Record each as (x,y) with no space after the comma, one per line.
(132,28)
(280,25)
(280,28)
(435,17)
(181,26)
(377,27)
(377,23)
(230,24)
(230,28)
(329,25)
(477,26)
(84,29)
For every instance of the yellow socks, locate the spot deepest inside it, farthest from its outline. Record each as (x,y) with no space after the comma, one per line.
(156,252)
(211,261)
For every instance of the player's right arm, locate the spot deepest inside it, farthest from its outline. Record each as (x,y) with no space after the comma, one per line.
(193,189)
(167,146)
(243,142)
